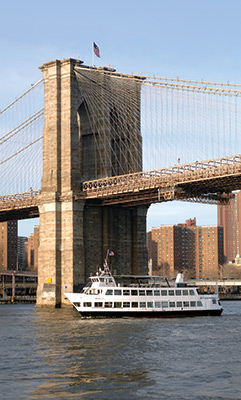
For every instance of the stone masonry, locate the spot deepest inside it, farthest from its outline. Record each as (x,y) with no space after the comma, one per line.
(75,235)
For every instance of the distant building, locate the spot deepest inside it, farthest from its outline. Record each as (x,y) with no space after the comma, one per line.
(31,250)
(209,251)
(22,264)
(198,250)
(229,217)
(8,245)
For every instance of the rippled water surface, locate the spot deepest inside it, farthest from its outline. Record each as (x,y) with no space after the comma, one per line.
(54,354)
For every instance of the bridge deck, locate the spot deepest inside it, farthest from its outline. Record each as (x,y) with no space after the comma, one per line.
(207,181)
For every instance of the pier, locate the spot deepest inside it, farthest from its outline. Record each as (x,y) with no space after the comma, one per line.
(227,289)
(18,286)
(21,287)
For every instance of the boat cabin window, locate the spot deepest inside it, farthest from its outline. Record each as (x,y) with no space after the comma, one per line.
(156,292)
(126,292)
(150,304)
(108,304)
(94,291)
(109,281)
(158,304)
(199,304)
(142,292)
(149,293)
(171,303)
(186,303)
(164,292)
(185,292)
(126,304)
(171,292)
(214,301)
(109,292)
(178,292)
(117,304)
(87,304)
(117,292)
(191,292)
(76,304)
(143,304)
(179,303)
(134,304)
(134,292)
(164,304)
(193,303)
(98,304)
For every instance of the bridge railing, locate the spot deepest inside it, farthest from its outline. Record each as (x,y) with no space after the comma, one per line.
(18,200)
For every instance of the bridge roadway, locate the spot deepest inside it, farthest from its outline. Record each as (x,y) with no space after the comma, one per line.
(204,181)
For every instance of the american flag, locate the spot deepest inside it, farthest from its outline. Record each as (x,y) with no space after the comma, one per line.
(96,49)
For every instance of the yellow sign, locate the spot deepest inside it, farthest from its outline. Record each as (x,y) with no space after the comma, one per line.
(49,280)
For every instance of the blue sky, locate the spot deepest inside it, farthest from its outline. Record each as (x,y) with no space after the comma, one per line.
(192,39)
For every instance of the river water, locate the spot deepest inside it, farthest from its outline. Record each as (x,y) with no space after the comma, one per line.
(54,354)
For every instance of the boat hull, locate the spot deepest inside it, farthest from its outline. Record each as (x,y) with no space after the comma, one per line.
(150,314)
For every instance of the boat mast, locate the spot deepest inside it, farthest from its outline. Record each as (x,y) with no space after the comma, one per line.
(105,265)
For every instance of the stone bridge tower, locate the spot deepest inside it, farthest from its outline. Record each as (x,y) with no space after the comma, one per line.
(75,233)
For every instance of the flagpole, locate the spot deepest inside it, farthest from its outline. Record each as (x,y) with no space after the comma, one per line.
(93,55)
(107,253)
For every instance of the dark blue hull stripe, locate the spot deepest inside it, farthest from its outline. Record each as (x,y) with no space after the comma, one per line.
(151,314)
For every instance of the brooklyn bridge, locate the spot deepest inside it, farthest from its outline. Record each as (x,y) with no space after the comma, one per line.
(88,150)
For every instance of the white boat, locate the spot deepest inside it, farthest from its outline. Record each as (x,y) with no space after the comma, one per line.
(103,297)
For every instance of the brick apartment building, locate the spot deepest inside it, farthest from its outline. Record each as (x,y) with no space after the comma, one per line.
(22,259)
(8,245)
(229,217)
(18,252)
(197,250)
